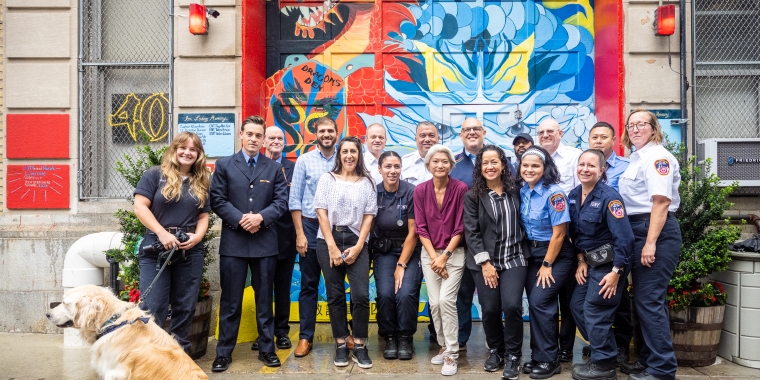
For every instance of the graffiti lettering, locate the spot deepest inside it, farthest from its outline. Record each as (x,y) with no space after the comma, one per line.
(318,80)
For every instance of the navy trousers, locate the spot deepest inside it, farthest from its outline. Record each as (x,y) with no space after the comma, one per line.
(596,314)
(464,306)
(567,324)
(543,302)
(506,337)
(397,311)
(310,275)
(650,287)
(282,280)
(232,274)
(177,286)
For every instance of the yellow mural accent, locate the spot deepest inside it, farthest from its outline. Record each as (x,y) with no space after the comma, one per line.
(148,114)
(516,68)
(586,21)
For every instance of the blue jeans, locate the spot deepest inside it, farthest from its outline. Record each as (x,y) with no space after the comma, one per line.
(650,287)
(397,311)
(177,286)
(596,314)
(310,274)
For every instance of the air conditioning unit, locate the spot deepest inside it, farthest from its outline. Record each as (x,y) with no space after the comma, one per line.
(732,160)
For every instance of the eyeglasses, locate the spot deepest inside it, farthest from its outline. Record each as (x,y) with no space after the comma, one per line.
(471,129)
(638,126)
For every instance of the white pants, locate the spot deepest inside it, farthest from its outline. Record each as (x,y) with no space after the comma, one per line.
(442,299)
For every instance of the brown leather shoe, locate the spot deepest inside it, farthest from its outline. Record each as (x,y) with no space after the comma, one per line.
(303,348)
(350,342)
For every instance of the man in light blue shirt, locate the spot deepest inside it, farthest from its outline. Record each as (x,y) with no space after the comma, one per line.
(309,168)
(602,137)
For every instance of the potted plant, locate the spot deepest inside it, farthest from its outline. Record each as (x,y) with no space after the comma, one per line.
(127,257)
(697,304)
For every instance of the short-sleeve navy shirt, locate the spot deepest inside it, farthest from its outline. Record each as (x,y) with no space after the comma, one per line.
(394,207)
(181,213)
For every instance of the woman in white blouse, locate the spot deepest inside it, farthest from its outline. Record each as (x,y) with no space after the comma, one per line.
(346,203)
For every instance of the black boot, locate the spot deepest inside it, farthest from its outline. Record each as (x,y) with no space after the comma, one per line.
(594,371)
(622,356)
(405,347)
(632,368)
(528,366)
(545,370)
(391,348)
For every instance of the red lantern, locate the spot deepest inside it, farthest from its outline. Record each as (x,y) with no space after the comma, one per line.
(665,20)
(198,20)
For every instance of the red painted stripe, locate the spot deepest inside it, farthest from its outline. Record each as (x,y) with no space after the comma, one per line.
(609,74)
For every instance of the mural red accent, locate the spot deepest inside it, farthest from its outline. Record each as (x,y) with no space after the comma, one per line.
(610,77)
(254,61)
(23,132)
(38,186)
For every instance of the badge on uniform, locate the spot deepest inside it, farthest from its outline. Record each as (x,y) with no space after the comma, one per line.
(264,181)
(616,208)
(558,202)
(662,166)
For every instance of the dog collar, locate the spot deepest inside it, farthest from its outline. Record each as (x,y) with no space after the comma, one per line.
(108,327)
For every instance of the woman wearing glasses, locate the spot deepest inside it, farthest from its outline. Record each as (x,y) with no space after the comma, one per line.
(649,188)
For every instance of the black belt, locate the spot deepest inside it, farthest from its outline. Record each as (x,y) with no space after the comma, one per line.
(538,243)
(341,229)
(313,220)
(174,230)
(645,217)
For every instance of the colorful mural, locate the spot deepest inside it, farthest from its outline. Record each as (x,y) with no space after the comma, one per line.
(511,64)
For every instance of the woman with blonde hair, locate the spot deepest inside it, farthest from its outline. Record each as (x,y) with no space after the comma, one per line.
(171,198)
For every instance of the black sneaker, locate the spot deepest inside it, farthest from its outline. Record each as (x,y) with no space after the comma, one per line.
(283,342)
(494,361)
(528,366)
(341,355)
(594,371)
(391,348)
(565,356)
(545,370)
(405,347)
(511,368)
(361,356)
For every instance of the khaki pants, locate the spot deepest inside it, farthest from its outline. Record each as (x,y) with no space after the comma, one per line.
(442,299)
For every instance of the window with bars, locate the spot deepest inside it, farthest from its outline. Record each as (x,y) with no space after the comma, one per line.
(125,71)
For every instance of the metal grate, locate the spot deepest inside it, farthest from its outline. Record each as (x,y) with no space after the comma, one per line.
(727,68)
(125,72)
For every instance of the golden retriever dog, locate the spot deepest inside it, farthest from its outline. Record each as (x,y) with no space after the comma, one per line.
(126,343)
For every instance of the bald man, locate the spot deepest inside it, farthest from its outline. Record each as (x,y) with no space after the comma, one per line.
(375,146)
(566,158)
(413,164)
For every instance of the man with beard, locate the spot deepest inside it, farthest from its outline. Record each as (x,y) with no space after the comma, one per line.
(274,143)
(521,143)
(566,159)
(472,134)
(375,143)
(413,164)
(309,168)
(249,193)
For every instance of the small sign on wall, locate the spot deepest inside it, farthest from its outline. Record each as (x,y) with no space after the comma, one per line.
(216,130)
(38,186)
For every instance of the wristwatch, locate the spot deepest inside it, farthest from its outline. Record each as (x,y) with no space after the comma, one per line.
(447,252)
(400,264)
(547,264)
(618,271)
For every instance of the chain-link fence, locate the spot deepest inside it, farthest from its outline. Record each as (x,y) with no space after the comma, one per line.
(125,73)
(727,68)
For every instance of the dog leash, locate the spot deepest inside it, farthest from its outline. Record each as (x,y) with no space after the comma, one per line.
(150,287)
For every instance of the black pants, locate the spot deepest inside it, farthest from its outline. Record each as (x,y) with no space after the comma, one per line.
(567,326)
(232,274)
(397,311)
(358,280)
(505,337)
(283,278)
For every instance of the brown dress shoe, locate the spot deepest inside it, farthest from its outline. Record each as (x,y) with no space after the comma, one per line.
(350,342)
(303,348)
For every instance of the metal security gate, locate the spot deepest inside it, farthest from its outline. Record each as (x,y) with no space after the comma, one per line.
(726,68)
(125,87)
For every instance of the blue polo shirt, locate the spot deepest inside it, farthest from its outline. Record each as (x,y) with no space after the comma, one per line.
(616,165)
(541,209)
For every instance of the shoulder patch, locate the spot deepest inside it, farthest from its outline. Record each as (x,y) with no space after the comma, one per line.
(558,201)
(616,208)
(662,166)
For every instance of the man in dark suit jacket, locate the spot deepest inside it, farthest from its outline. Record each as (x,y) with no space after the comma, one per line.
(274,143)
(249,192)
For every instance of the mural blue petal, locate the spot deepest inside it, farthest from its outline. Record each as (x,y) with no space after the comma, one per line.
(585,85)
(450,27)
(464,14)
(557,41)
(568,10)
(497,18)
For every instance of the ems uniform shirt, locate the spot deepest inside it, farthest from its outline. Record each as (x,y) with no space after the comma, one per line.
(566,159)
(177,213)
(616,165)
(372,164)
(653,171)
(392,208)
(542,208)
(413,169)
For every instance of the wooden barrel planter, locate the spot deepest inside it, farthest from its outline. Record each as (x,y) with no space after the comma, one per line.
(199,329)
(696,334)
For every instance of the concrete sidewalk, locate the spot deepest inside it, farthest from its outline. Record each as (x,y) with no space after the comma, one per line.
(43,356)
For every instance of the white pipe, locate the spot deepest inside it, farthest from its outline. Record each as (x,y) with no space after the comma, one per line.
(83,265)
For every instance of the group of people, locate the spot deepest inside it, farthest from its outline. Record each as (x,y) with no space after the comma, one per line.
(565,226)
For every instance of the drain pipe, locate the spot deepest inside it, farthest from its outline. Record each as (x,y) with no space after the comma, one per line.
(83,265)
